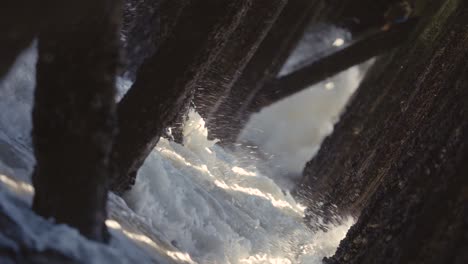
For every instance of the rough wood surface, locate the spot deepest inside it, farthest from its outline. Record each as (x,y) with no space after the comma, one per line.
(399,152)
(74,114)
(216,84)
(147,24)
(264,66)
(357,145)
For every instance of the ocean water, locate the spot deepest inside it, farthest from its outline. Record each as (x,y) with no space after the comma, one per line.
(192,203)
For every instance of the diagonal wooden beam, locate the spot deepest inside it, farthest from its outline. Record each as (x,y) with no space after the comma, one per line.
(166,79)
(370,45)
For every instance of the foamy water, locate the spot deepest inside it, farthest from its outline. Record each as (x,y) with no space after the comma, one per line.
(220,212)
(196,203)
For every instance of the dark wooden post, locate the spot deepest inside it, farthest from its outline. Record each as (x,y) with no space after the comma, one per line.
(264,66)
(146,25)
(216,84)
(397,158)
(415,208)
(74,113)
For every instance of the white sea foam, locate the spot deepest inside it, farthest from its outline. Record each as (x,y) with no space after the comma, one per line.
(199,197)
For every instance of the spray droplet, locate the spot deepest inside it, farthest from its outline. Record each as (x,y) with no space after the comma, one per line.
(330,85)
(338,42)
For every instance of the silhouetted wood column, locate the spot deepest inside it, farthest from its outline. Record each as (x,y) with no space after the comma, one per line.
(216,84)
(356,144)
(74,113)
(416,210)
(264,66)
(397,158)
(165,81)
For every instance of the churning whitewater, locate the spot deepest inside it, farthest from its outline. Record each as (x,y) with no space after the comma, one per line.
(196,203)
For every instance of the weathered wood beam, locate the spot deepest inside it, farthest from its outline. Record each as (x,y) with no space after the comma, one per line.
(217,82)
(147,23)
(165,81)
(404,114)
(414,187)
(264,66)
(74,120)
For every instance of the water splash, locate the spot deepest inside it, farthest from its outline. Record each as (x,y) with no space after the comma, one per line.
(208,205)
